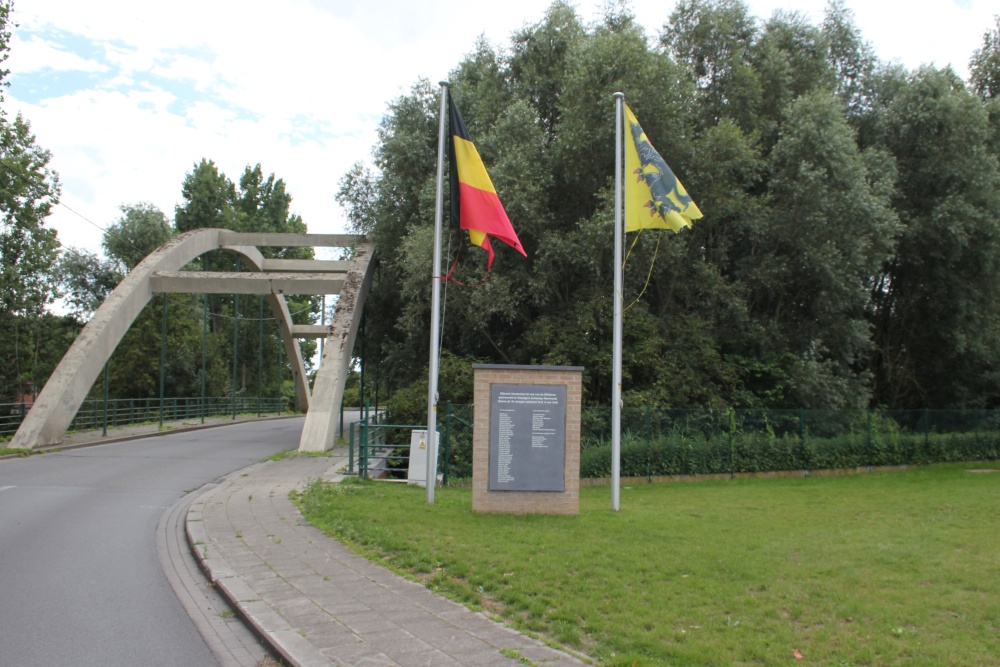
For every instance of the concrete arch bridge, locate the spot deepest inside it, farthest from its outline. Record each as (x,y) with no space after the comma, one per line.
(160,272)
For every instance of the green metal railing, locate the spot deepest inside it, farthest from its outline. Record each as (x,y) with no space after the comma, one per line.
(654,441)
(667,442)
(383,449)
(100,414)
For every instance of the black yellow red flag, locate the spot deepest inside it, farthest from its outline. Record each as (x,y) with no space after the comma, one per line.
(475,205)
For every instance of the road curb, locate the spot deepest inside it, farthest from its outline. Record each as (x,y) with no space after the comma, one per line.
(264,622)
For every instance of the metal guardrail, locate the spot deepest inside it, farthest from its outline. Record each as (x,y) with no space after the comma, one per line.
(100,414)
(379,451)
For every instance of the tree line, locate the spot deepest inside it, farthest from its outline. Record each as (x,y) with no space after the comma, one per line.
(849,255)
(850,251)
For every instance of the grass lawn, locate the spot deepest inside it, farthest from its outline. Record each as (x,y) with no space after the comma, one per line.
(897,568)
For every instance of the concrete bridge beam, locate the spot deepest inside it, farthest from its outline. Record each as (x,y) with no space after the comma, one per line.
(69,384)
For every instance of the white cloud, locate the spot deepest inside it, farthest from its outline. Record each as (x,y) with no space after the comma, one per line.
(34,54)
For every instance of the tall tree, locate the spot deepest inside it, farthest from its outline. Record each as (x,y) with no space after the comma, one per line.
(984,66)
(938,307)
(29,189)
(208,197)
(852,58)
(86,280)
(141,229)
(831,230)
(714,39)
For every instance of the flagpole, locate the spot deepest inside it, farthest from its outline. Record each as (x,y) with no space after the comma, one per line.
(616,373)
(432,380)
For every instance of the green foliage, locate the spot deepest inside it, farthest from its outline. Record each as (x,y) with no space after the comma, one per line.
(86,279)
(28,250)
(937,307)
(766,441)
(141,229)
(984,66)
(831,185)
(29,189)
(409,405)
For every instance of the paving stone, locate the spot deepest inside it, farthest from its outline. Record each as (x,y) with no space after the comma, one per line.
(317,603)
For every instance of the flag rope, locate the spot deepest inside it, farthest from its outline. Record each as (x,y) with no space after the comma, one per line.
(652,263)
(448,279)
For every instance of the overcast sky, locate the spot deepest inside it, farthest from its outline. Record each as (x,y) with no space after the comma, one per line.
(129,96)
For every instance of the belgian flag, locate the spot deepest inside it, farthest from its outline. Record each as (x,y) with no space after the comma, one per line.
(475,205)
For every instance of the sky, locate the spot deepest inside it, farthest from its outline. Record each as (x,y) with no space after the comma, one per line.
(129,96)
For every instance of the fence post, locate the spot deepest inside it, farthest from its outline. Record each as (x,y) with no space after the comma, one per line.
(204,343)
(104,430)
(163,356)
(649,444)
(927,429)
(732,447)
(350,448)
(364,443)
(260,354)
(870,430)
(447,442)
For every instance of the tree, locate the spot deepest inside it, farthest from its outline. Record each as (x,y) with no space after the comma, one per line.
(938,305)
(539,59)
(208,197)
(714,39)
(86,280)
(831,229)
(984,66)
(141,229)
(791,60)
(5,9)
(28,190)
(849,248)
(258,203)
(853,59)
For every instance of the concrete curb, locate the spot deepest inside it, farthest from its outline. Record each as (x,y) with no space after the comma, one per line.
(314,603)
(265,623)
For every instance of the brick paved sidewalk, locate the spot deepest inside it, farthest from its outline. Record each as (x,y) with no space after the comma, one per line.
(319,604)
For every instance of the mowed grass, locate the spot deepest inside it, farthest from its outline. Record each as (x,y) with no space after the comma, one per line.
(898,568)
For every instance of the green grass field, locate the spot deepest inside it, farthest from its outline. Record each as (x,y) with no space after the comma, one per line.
(897,568)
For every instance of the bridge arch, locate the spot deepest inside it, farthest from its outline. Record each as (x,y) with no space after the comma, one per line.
(67,387)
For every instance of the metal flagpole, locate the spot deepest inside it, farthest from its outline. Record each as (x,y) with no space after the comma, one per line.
(616,374)
(432,382)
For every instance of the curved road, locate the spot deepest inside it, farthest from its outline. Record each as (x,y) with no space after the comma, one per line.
(81,581)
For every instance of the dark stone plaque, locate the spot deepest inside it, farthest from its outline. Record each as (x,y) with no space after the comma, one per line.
(527,437)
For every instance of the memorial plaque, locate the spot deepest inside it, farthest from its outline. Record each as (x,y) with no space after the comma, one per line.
(527,437)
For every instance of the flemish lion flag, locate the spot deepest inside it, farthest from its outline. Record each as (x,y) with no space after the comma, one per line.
(654,197)
(475,205)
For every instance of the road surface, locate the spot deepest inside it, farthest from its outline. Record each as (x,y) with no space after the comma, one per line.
(81,582)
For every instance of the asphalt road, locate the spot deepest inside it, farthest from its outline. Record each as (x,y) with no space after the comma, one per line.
(81,582)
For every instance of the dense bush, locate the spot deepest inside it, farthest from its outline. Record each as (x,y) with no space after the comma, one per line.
(698,442)
(764,452)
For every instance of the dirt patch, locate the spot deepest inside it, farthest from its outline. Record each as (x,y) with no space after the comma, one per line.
(983,470)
